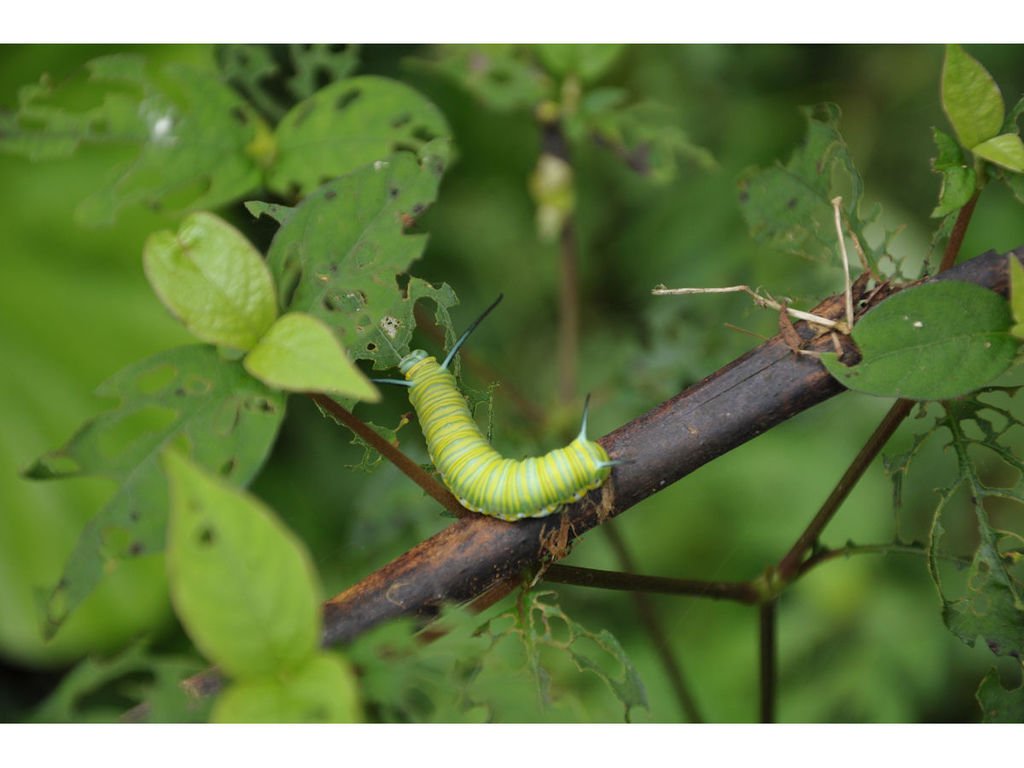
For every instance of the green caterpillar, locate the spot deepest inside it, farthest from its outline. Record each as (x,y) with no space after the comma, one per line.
(480,477)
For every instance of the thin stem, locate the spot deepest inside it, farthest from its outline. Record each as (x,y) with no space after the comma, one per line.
(768,660)
(789,566)
(956,237)
(739,591)
(414,471)
(649,618)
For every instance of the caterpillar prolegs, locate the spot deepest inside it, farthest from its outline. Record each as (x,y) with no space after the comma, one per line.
(480,477)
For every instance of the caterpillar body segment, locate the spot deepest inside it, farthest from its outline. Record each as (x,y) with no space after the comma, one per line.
(480,477)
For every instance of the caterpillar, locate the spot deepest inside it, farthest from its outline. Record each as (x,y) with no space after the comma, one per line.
(481,478)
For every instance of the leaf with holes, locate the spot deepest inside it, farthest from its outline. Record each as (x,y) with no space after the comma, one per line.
(999,704)
(349,124)
(789,207)
(242,584)
(958,178)
(323,690)
(499,76)
(932,342)
(213,280)
(331,255)
(970,98)
(199,145)
(189,397)
(300,354)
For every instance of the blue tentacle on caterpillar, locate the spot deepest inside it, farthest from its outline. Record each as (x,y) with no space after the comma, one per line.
(480,477)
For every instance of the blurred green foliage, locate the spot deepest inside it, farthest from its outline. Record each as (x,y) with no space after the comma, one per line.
(860,639)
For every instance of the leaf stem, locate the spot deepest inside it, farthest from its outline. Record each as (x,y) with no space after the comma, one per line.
(768,659)
(414,471)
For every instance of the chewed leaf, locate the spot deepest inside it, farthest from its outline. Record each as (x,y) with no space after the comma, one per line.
(932,342)
(998,704)
(596,652)
(790,207)
(323,690)
(300,354)
(499,76)
(213,280)
(329,255)
(242,584)
(349,124)
(190,397)
(993,606)
(970,98)
(199,144)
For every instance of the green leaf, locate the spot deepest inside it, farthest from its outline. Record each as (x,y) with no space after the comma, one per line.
(188,397)
(993,607)
(789,207)
(959,180)
(333,253)
(499,76)
(958,185)
(323,690)
(647,136)
(970,98)
(998,704)
(349,124)
(588,62)
(300,354)
(932,342)
(96,690)
(198,144)
(1006,150)
(242,584)
(213,280)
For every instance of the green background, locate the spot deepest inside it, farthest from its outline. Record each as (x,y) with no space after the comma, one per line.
(860,639)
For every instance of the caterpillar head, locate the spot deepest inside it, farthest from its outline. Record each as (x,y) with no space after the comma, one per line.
(407,362)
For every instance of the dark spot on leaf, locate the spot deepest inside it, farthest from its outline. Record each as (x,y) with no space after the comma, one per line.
(437,166)
(401,120)
(328,303)
(136,548)
(133,515)
(418,209)
(371,347)
(347,98)
(791,203)
(227,467)
(424,134)
(240,115)
(266,406)
(330,194)
(401,146)
(393,192)
(206,536)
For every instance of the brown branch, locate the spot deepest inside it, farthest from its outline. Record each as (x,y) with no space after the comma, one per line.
(752,394)
(478,554)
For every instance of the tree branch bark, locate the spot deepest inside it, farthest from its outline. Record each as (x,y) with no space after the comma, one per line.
(754,393)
